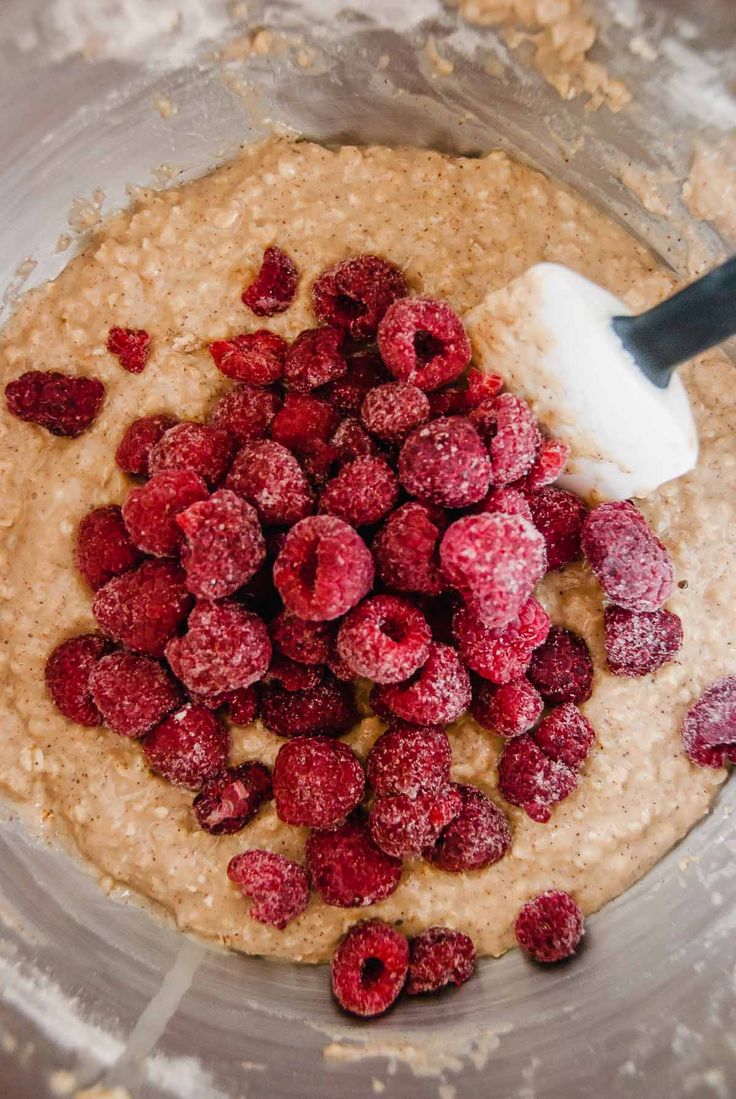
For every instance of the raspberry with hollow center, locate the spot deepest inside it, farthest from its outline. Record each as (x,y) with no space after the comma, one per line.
(404,825)
(254,357)
(277,887)
(304,642)
(550,927)
(323,569)
(500,655)
(139,438)
(558,516)
(409,759)
(565,736)
(392,410)
(326,710)
(132,692)
(510,430)
(132,347)
(317,782)
(224,545)
(561,668)
(348,869)
(355,294)
(385,639)
(225,648)
(270,478)
(246,411)
(104,548)
(202,448)
(549,465)
(423,342)
(362,493)
(709,727)
(67,674)
(478,836)
(438,957)
(529,779)
(508,710)
(369,968)
(435,695)
(62,404)
(188,748)
(506,501)
(150,511)
(632,566)
(274,287)
(445,462)
(302,422)
(143,608)
(406,550)
(637,644)
(314,359)
(228,801)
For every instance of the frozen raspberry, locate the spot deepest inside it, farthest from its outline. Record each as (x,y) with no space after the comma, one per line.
(448,401)
(559,518)
(633,567)
(550,927)
(500,655)
(320,463)
(241,706)
(255,357)
(391,411)
(351,441)
(104,548)
(304,642)
(273,289)
(409,759)
(549,465)
(150,511)
(303,421)
(435,695)
(317,782)
(270,478)
(188,748)
(201,448)
(637,644)
(314,359)
(228,801)
(478,835)
(509,428)
(293,676)
(62,404)
(506,501)
(509,710)
(326,710)
(709,728)
(139,439)
(362,493)
(339,668)
(132,347)
(246,412)
(224,545)
(406,550)
(481,387)
(529,779)
(67,675)
(369,968)
(132,692)
(365,371)
(404,825)
(565,736)
(439,957)
(143,608)
(348,870)
(561,668)
(278,887)
(385,639)
(423,342)
(355,294)
(225,648)
(323,570)
(494,561)
(445,463)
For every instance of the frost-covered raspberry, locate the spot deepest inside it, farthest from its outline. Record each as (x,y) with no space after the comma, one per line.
(506,501)
(224,545)
(561,668)
(565,735)
(355,294)
(437,694)
(632,566)
(132,347)
(253,357)
(150,511)
(709,727)
(202,448)
(350,441)
(326,710)
(479,835)
(392,410)
(423,342)
(549,465)
(67,675)
(273,289)
(559,518)
(314,359)
(241,706)
(132,692)
(445,462)
(550,927)
(143,608)
(508,710)
(365,371)
(500,655)
(270,478)
(302,422)
(404,825)
(362,493)
(637,644)
(104,548)
(348,869)
(508,426)
(62,404)
(438,957)
(369,968)
(139,438)
(385,639)
(246,411)
(277,887)
(529,779)
(304,642)
(317,782)
(225,648)
(406,550)
(409,759)
(481,387)
(228,801)
(323,570)
(188,748)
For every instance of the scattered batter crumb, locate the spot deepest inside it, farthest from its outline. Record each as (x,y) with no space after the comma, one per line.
(441,66)
(62,1082)
(63,243)
(86,213)
(648,186)
(22,273)
(164,106)
(641,48)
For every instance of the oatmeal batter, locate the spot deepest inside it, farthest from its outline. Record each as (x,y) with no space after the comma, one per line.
(176,264)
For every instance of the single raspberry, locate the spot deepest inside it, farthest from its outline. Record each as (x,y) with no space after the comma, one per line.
(365,371)
(314,359)
(150,511)
(225,648)
(509,710)
(241,706)
(201,448)
(481,387)
(274,287)
(385,639)
(362,493)
(632,566)
(188,748)
(132,347)
(511,432)
(423,342)
(565,736)
(494,561)
(529,779)
(304,642)
(132,692)
(323,570)
(559,518)
(350,441)
(437,694)
(317,782)
(549,465)
(506,501)
(406,550)
(62,404)
(224,545)
(561,668)
(270,478)
(326,710)
(293,676)
(409,759)
(104,548)
(709,728)
(278,887)
(139,439)
(355,294)
(254,357)
(392,410)
(67,675)
(500,655)
(478,836)
(404,825)
(303,421)
(339,668)
(445,463)
(439,957)
(550,927)
(246,412)
(637,644)
(451,400)
(143,609)
(348,869)
(369,968)
(228,801)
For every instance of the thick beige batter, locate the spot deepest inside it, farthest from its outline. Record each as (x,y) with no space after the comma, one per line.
(176,264)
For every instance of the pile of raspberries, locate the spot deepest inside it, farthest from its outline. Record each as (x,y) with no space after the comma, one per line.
(362,504)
